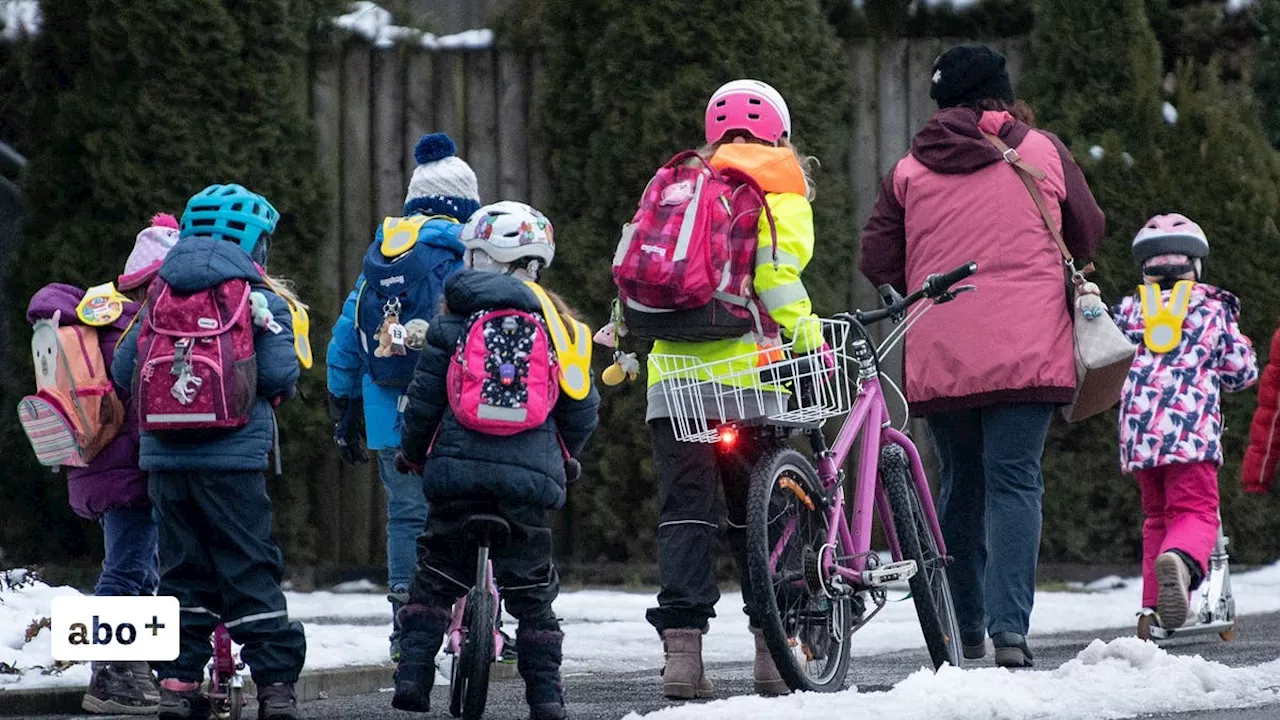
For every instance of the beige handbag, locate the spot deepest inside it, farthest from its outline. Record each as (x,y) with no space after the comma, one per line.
(1103,354)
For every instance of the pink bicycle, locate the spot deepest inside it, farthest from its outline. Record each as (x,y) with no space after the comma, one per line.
(813,573)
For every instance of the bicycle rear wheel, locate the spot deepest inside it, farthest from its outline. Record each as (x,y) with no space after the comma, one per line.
(469,690)
(806,628)
(929,587)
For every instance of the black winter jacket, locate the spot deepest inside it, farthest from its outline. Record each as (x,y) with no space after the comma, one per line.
(527,467)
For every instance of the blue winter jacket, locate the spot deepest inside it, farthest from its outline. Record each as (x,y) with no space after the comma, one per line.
(527,467)
(348,363)
(198,263)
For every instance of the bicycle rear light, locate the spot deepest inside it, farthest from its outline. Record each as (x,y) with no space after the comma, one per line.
(728,436)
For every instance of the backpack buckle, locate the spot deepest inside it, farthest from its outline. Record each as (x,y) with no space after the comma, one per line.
(1011,156)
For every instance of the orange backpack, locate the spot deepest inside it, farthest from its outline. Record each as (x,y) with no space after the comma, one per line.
(75,411)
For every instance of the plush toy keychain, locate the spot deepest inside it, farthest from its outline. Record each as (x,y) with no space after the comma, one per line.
(625,365)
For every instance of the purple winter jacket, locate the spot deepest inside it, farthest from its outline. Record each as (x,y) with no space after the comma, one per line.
(112,481)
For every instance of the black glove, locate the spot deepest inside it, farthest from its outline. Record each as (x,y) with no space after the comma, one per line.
(348,428)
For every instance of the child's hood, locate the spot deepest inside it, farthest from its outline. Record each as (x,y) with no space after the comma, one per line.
(199,263)
(775,169)
(468,291)
(63,298)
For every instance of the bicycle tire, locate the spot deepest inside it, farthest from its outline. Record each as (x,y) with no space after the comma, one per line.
(235,701)
(476,656)
(769,470)
(930,590)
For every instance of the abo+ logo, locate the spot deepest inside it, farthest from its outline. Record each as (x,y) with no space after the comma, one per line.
(114,629)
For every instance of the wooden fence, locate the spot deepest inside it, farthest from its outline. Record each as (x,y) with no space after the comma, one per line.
(371,105)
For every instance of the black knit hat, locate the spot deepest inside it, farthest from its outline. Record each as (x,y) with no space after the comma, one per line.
(968,73)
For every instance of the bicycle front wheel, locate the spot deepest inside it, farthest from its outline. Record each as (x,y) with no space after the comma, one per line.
(929,587)
(806,628)
(470,689)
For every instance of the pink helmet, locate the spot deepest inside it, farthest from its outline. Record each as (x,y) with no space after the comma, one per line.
(1171,234)
(748,105)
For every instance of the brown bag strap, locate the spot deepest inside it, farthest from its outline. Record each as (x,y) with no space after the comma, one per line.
(1030,174)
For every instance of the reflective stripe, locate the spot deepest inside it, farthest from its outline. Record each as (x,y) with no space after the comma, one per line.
(256,618)
(686,225)
(200,611)
(784,295)
(448,577)
(764,256)
(733,524)
(687,522)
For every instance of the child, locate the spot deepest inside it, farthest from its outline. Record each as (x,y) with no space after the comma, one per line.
(365,384)
(747,127)
(1190,348)
(518,477)
(112,490)
(208,483)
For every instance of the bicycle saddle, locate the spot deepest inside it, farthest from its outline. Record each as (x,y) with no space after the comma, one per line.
(490,530)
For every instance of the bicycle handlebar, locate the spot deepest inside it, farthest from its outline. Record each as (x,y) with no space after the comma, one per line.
(936,287)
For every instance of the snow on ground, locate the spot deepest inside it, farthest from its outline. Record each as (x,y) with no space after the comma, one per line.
(605,630)
(1123,678)
(21,17)
(372,22)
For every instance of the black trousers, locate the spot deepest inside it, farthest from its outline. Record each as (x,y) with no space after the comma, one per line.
(689,524)
(522,567)
(218,558)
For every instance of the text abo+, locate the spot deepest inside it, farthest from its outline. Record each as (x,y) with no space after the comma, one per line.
(114,629)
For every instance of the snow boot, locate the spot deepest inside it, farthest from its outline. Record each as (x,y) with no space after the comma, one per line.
(112,692)
(1174,578)
(768,680)
(1011,650)
(397,600)
(538,661)
(509,649)
(278,701)
(181,700)
(683,677)
(422,629)
(145,680)
(1146,620)
(973,646)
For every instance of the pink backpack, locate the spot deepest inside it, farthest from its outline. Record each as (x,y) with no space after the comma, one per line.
(685,264)
(196,364)
(504,377)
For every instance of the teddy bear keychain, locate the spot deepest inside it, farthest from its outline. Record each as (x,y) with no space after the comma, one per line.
(625,364)
(391,334)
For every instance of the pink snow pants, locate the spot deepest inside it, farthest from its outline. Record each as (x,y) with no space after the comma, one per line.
(1180,502)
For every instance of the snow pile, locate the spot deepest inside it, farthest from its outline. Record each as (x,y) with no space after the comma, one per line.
(1123,678)
(21,17)
(26,649)
(370,21)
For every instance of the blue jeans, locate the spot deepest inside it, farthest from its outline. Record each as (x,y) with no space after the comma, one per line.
(406,519)
(990,505)
(130,565)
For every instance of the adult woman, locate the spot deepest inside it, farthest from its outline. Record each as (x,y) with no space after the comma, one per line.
(987,371)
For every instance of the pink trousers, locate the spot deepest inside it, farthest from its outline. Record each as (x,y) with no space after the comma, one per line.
(1181,506)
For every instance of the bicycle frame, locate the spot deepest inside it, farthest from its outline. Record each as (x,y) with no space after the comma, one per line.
(457,629)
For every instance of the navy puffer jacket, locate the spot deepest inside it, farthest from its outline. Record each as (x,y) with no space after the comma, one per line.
(527,467)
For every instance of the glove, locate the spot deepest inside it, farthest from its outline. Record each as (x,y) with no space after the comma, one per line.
(405,467)
(572,470)
(348,427)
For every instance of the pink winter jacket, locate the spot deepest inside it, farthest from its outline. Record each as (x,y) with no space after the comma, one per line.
(953,199)
(1170,410)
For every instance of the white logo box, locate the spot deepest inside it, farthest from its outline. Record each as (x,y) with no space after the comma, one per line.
(114,629)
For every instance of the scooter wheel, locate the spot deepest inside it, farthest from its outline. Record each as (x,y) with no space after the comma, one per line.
(1228,635)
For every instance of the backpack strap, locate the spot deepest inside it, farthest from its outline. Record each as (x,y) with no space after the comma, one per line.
(1030,175)
(573,346)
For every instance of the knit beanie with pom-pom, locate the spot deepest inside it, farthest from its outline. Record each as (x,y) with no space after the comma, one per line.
(442,184)
(149,251)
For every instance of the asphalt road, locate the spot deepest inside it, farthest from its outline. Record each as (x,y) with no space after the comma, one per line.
(609,696)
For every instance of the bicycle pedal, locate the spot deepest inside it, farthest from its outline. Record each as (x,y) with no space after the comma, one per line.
(886,574)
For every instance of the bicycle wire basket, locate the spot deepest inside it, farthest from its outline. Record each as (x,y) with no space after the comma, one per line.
(775,384)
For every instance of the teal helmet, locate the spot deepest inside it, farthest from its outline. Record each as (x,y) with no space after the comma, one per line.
(229,212)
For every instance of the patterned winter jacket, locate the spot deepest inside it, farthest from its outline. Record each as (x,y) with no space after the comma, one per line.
(1169,410)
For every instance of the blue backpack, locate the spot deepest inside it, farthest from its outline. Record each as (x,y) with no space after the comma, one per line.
(404,273)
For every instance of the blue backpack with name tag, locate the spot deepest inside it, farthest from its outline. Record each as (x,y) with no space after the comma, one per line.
(403,277)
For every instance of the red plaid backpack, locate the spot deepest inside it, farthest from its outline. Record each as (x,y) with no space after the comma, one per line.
(685,263)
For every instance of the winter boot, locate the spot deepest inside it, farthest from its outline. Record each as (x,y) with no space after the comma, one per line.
(538,660)
(422,629)
(682,674)
(278,702)
(1146,620)
(145,680)
(397,600)
(112,692)
(1011,650)
(1174,578)
(181,700)
(509,649)
(974,646)
(768,680)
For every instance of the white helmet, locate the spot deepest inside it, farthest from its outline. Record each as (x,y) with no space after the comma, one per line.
(508,232)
